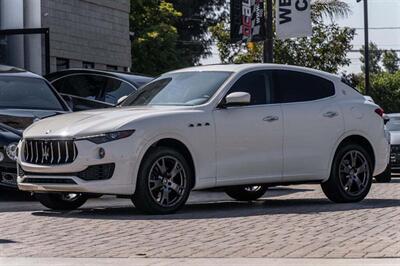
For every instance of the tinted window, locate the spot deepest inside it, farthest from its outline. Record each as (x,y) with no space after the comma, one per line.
(254,83)
(184,88)
(292,86)
(86,86)
(115,89)
(27,93)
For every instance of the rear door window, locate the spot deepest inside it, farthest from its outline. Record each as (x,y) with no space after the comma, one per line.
(85,86)
(294,86)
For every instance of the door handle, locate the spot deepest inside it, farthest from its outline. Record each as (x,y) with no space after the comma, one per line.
(330,114)
(270,118)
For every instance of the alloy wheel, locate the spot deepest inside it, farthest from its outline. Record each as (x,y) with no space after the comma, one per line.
(70,196)
(252,188)
(354,172)
(167,181)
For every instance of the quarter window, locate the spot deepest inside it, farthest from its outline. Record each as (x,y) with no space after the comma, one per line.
(254,83)
(293,86)
(115,89)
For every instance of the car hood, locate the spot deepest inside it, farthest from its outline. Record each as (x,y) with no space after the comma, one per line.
(20,119)
(93,122)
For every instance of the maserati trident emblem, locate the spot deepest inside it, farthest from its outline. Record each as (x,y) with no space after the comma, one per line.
(46,152)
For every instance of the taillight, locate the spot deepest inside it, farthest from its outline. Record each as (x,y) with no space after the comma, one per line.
(380,112)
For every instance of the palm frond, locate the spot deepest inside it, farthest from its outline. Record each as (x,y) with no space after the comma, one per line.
(330,8)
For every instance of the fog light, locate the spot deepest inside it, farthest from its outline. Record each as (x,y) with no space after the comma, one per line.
(12,151)
(1,156)
(102,153)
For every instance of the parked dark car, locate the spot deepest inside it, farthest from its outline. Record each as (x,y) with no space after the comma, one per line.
(86,89)
(24,99)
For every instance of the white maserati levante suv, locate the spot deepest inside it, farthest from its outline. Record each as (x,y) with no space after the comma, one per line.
(243,128)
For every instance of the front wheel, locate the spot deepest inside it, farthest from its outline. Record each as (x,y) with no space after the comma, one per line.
(61,201)
(246,193)
(164,182)
(351,175)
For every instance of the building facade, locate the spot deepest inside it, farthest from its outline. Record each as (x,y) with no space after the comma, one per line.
(83,34)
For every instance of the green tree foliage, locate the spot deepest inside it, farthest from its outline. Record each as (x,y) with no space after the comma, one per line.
(375,56)
(326,49)
(170,34)
(194,41)
(391,61)
(154,48)
(385,90)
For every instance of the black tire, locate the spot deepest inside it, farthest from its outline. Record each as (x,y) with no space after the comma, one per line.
(385,177)
(246,193)
(153,200)
(61,201)
(336,188)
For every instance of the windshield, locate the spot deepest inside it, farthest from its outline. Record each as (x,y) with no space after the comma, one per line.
(186,88)
(27,93)
(393,124)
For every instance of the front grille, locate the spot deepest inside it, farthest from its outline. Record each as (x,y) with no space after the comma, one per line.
(50,152)
(395,156)
(395,148)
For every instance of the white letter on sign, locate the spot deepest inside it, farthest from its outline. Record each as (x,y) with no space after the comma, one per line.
(293,18)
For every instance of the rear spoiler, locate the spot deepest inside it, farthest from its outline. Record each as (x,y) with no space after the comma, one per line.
(10,129)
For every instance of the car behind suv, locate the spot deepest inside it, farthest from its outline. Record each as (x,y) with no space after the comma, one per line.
(243,128)
(24,99)
(86,89)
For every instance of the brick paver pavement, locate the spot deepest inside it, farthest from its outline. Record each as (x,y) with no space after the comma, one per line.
(293,222)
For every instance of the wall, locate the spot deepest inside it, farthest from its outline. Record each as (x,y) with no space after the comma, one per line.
(88,30)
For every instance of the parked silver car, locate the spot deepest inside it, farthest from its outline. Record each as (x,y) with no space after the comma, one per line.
(393,126)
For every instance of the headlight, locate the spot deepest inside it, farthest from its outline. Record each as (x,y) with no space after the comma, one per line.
(107,137)
(11,151)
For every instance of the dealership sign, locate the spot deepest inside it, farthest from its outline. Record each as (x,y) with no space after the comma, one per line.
(293,18)
(247,21)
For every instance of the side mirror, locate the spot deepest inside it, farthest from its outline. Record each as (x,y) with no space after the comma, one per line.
(120,100)
(237,99)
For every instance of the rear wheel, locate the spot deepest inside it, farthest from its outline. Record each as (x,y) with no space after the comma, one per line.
(385,177)
(246,193)
(164,182)
(61,201)
(351,175)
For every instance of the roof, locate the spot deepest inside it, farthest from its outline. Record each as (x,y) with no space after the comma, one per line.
(126,76)
(254,66)
(15,72)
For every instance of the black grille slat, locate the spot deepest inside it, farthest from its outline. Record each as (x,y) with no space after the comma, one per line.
(50,152)
(49,181)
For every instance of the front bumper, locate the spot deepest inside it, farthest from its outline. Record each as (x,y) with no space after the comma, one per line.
(8,174)
(67,178)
